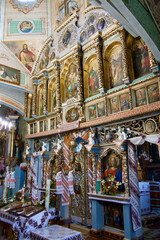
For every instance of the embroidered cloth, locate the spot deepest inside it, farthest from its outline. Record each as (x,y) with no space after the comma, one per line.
(56,232)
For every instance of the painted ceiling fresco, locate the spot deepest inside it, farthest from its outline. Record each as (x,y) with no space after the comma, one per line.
(25,6)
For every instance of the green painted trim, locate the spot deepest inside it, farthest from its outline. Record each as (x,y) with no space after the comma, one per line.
(116,88)
(111,39)
(89,53)
(90,98)
(51,76)
(143,78)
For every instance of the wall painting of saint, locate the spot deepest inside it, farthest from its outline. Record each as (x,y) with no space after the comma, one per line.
(26,51)
(114,105)
(71,82)
(140,58)
(72,115)
(115,67)
(92,112)
(141,97)
(101,109)
(124,101)
(93,79)
(153,93)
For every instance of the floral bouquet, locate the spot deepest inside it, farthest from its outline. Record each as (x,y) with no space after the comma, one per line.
(110,186)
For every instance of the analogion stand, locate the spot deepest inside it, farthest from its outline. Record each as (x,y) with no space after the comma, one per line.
(98,227)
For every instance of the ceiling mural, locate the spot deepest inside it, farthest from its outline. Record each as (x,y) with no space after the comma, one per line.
(25,51)
(25,6)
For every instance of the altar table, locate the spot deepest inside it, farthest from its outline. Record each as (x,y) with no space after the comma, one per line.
(55,232)
(23,225)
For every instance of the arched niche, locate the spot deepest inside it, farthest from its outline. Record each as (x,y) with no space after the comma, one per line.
(69,81)
(52,95)
(140,55)
(112,155)
(113,65)
(91,79)
(40,100)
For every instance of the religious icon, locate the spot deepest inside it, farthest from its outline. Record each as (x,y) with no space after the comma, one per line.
(112,168)
(61,14)
(91,30)
(153,93)
(101,23)
(114,105)
(115,67)
(26,26)
(52,56)
(101,109)
(71,5)
(124,101)
(45,125)
(92,111)
(41,103)
(41,126)
(35,127)
(71,82)
(150,126)
(91,19)
(141,97)
(31,128)
(93,80)
(66,38)
(72,115)
(140,58)
(77,189)
(52,122)
(82,36)
(53,97)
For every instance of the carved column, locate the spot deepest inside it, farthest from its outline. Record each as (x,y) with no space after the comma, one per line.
(94,171)
(44,174)
(153,62)
(122,34)
(45,89)
(27,173)
(78,59)
(58,93)
(99,47)
(34,99)
(29,105)
(126,176)
(25,104)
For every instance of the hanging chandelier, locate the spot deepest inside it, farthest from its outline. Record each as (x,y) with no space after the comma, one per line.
(5,125)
